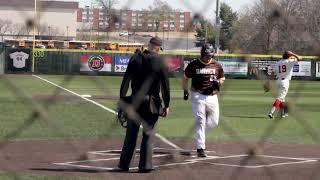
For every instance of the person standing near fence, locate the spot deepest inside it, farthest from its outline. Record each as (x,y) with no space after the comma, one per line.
(207,76)
(148,74)
(283,69)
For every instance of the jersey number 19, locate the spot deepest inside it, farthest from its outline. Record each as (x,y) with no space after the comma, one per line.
(282,68)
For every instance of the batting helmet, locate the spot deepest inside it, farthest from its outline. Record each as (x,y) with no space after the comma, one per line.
(206,50)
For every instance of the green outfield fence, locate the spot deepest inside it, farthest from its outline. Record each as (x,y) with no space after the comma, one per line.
(57,61)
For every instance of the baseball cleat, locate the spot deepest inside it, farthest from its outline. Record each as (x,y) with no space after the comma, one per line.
(284,115)
(201,153)
(270,115)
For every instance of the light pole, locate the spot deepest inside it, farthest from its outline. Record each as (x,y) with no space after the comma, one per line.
(187,39)
(34,34)
(168,26)
(206,30)
(217,39)
(67,33)
(49,28)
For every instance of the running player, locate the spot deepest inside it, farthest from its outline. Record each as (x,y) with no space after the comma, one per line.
(207,75)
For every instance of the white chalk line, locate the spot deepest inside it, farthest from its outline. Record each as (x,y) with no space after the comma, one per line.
(261,166)
(190,161)
(163,139)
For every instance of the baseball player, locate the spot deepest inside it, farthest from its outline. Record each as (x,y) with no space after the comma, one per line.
(283,70)
(207,75)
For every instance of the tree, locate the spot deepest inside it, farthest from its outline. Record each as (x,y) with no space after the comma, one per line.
(160,12)
(272,26)
(206,32)
(109,14)
(228,18)
(5,26)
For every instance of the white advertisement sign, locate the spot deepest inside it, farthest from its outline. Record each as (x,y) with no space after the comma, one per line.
(303,68)
(235,68)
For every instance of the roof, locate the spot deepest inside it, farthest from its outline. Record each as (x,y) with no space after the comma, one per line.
(20,4)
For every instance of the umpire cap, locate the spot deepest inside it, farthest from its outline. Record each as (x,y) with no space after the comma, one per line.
(207,49)
(156,41)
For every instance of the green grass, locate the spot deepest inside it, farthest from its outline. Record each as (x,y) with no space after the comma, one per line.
(243,106)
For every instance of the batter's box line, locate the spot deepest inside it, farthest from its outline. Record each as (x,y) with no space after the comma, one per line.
(162,150)
(261,166)
(300,161)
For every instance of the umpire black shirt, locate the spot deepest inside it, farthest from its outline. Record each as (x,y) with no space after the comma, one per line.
(147,72)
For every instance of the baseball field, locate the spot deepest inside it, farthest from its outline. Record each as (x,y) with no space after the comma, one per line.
(64,127)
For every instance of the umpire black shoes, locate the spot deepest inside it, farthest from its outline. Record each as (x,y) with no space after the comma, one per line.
(120,169)
(146,170)
(201,153)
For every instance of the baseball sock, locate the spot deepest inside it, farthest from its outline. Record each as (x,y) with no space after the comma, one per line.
(276,105)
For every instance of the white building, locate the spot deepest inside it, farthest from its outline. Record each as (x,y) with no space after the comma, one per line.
(54,17)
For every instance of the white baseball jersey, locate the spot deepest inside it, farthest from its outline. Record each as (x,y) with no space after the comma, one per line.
(19,59)
(284,68)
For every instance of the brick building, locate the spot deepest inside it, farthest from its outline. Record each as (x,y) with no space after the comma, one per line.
(100,19)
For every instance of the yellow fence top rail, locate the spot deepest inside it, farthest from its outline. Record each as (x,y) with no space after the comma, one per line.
(174,53)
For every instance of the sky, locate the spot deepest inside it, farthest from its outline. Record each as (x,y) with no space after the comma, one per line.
(205,7)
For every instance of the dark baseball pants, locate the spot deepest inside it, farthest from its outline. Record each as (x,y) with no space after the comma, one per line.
(146,148)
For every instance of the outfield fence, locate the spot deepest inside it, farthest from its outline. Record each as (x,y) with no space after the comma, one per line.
(55,61)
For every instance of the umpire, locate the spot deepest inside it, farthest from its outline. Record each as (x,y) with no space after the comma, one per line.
(147,72)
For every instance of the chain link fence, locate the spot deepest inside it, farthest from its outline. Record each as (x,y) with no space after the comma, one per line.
(64,126)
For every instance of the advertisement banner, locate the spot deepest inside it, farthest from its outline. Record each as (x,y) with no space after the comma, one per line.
(235,68)
(174,63)
(121,62)
(95,63)
(303,68)
(263,65)
(318,69)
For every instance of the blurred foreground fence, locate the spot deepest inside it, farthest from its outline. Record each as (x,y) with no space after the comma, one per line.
(53,61)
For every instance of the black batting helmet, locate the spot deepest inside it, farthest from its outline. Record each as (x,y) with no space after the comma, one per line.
(206,50)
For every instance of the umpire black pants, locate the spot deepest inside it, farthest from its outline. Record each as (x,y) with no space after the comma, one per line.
(146,148)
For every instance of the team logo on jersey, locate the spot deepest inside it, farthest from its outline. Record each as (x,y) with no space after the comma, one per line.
(205,71)
(96,63)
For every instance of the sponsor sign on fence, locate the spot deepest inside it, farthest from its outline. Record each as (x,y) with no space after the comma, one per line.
(121,62)
(303,68)
(95,63)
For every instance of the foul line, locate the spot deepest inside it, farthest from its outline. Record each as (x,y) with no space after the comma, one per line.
(163,139)
(261,166)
